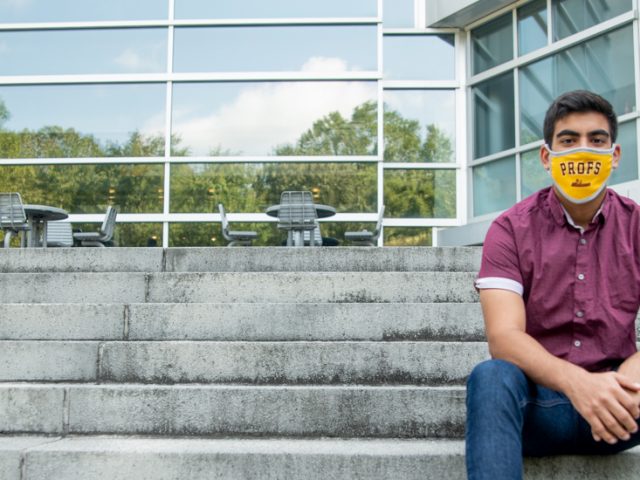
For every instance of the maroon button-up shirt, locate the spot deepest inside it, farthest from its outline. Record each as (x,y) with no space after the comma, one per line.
(581,288)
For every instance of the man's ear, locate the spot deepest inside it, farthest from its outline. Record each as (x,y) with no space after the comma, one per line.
(617,154)
(544,157)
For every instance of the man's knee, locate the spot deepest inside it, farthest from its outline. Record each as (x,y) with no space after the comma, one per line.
(496,375)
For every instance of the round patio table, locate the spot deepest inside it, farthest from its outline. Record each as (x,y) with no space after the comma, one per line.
(37,217)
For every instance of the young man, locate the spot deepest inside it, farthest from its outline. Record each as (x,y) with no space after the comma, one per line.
(560,289)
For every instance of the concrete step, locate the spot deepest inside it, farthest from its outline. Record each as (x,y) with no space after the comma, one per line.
(243,321)
(291,363)
(140,458)
(251,287)
(232,410)
(365,363)
(258,259)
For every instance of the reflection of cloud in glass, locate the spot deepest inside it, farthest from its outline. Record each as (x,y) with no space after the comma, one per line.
(426,106)
(17,4)
(149,58)
(253,118)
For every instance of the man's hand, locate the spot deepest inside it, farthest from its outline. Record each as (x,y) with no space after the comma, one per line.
(609,402)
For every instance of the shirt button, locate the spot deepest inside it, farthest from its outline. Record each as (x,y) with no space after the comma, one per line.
(583,241)
(577,343)
(579,314)
(581,276)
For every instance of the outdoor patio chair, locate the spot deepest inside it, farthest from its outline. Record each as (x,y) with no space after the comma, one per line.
(13,220)
(235,237)
(59,234)
(103,236)
(317,236)
(365,237)
(297,214)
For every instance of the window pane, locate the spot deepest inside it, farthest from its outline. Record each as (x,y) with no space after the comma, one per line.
(537,92)
(604,65)
(494,186)
(88,188)
(573,16)
(408,237)
(402,54)
(532,26)
(420,193)
(252,187)
(628,167)
(318,49)
(534,176)
(129,234)
(81,10)
(494,115)
(50,52)
(82,121)
(398,14)
(492,43)
(276,118)
(419,126)
(275,8)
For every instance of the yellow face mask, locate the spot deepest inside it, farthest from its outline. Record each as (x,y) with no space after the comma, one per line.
(580,174)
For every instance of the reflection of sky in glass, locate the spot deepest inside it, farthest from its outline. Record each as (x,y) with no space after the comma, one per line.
(274,8)
(83,51)
(311,48)
(109,112)
(424,57)
(427,107)
(532,26)
(397,13)
(494,186)
(12,11)
(251,118)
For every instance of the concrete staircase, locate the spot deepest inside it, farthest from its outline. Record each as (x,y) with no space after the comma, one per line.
(245,363)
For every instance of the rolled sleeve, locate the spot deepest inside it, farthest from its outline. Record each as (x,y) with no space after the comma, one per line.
(500,267)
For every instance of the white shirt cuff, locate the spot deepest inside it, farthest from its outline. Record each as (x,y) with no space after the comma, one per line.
(500,283)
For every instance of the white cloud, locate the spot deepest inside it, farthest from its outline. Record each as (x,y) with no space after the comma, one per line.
(135,61)
(268,114)
(15,3)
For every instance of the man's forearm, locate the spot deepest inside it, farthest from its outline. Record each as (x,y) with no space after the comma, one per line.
(631,367)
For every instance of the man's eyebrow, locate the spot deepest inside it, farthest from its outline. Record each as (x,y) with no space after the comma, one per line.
(573,133)
(599,132)
(568,132)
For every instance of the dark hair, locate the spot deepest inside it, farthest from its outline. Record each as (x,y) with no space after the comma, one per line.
(578,101)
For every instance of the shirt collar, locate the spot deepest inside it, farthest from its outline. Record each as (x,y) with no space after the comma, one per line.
(561,216)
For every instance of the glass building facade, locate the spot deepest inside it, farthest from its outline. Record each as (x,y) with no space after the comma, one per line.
(165,108)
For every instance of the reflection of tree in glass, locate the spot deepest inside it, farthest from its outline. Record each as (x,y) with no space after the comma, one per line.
(349,186)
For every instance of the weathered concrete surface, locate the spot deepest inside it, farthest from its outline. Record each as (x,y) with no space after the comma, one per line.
(117,458)
(306,321)
(291,363)
(62,321)
(28,408)
(35,260)
(72,287)
(312,287)
(335,411)
(255,287)
(256,259)
(97,458)
(48,361)
(340,259)
(11,451)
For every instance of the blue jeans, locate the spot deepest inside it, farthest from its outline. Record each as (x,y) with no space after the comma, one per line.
(509,416)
